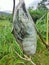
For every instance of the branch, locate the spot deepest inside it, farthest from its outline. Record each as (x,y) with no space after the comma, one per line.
(26,58)
(13,6)
(42,39)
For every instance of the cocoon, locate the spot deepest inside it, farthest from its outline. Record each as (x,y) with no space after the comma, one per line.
(24,29)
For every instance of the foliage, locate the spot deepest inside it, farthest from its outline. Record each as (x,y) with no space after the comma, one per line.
(36,14)
(41,25)
(8,44)
(42,5)
(6,17)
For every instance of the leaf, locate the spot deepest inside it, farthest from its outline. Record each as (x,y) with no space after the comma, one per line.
(20,62)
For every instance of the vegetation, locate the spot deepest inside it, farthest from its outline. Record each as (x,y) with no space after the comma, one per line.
(10,51)
(8,44)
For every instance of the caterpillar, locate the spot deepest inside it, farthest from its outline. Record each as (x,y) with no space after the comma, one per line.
(24,29)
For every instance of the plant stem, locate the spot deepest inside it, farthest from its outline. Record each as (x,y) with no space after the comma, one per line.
(26,58)
(47,29)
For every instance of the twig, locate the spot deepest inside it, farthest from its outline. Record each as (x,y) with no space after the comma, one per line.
(26,58)
(29,59)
